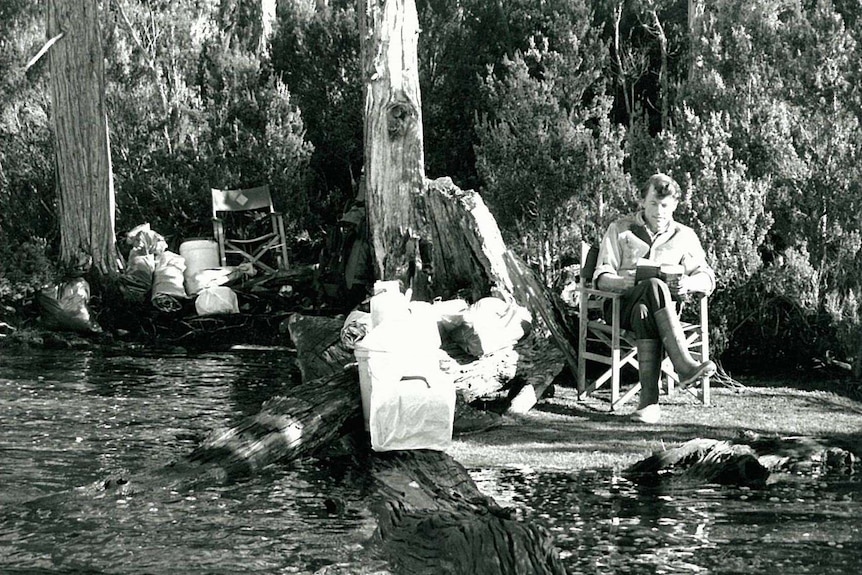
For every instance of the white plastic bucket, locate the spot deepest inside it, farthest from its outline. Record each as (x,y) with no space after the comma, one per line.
(389,306)
(200,254)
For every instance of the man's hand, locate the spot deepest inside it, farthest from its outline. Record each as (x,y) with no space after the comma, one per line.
(680,286)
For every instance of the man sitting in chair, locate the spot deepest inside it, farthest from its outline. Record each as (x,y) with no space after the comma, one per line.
(647,307)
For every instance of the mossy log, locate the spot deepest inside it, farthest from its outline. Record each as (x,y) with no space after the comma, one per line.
(749,460)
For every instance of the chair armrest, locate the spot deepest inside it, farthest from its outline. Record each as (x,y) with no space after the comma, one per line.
(599,292)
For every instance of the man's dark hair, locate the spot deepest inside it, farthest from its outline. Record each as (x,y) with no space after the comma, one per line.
(663,185)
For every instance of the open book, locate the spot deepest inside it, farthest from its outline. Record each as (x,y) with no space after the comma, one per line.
(649,269)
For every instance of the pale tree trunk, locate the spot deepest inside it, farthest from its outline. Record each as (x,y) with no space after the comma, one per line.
(621,70)
(658,30)
(247,23)
(267,19)
(84,178)
(394,164)
(695,23)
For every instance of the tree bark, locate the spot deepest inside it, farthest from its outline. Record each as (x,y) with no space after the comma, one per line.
(394,163)
(84,178)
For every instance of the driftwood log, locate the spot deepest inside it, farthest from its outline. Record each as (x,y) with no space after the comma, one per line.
(749,460)
(433,519)
(321,352)
(286,428)
(431,516)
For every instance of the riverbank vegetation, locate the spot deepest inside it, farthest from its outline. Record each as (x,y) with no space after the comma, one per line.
(554,112)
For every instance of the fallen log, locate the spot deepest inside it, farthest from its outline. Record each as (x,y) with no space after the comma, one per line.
(320,351)
(539,364)
(433,519)
(431,515)
(287,428)
(749,460)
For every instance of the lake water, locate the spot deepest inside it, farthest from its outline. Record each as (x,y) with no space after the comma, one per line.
(75,426)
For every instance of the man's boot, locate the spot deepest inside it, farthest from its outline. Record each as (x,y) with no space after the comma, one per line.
(674,342)
(649,371)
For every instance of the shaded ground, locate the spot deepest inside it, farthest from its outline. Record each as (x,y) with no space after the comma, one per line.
(564,433)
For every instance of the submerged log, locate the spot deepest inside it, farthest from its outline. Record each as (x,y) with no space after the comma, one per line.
(287,427)
(431,515)
(433,519)
(749,460)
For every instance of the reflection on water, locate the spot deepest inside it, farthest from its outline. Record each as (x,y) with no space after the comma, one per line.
(69,420)
(603,523)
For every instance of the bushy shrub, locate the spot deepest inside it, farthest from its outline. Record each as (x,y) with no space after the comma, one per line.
(27,179)
(198,111)
(721,202)
(315,52)
(550,159)
(24,268)
(793,123)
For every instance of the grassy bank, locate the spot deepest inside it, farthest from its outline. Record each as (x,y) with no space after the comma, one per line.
(566,434)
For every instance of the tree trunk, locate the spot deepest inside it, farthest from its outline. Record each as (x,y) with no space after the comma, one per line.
(621,71)
(84,178)
(658,30)
(268,9)
(394,164)
(695,24)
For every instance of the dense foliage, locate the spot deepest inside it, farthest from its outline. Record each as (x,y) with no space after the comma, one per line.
(555,111)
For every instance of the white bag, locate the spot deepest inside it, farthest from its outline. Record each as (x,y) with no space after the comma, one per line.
(413,413)
(492,324)
(216,300)
(407,401)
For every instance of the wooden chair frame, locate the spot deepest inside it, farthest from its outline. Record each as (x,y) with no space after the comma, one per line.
(250,249)
(618,347)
